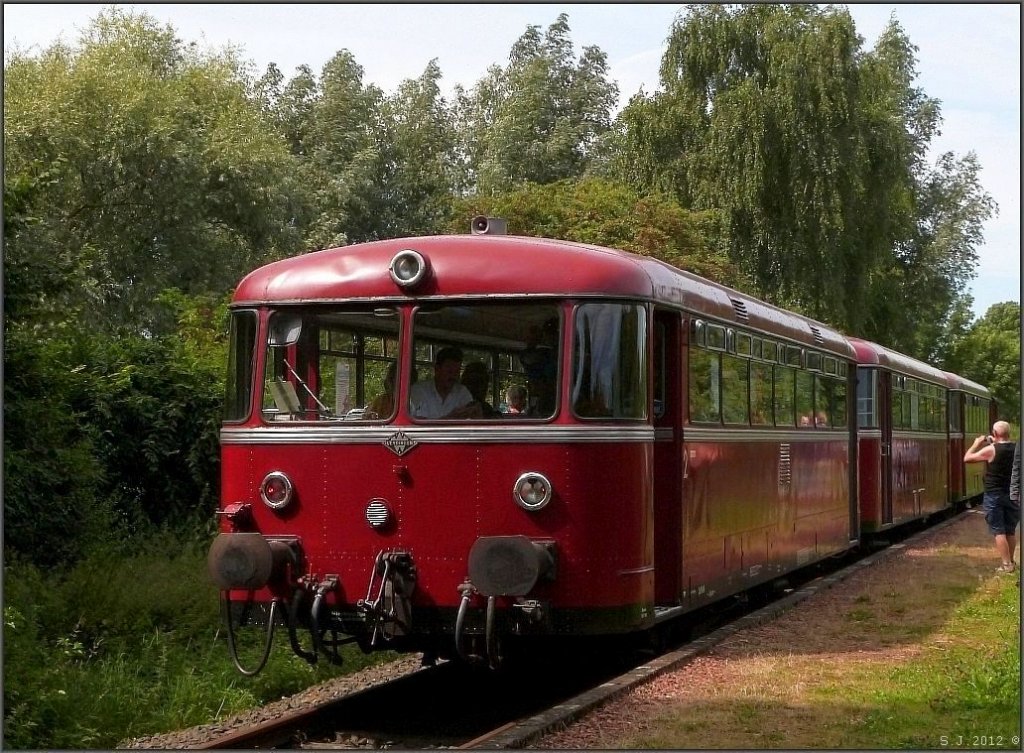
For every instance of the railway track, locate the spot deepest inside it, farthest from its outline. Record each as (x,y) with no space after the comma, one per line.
(454,706)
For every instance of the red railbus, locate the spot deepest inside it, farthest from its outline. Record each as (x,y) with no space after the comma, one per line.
(680,443)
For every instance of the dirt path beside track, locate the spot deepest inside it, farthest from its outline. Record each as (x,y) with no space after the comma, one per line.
(786,683)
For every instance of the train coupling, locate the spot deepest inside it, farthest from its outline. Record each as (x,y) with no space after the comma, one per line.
(388,603)
(531,609)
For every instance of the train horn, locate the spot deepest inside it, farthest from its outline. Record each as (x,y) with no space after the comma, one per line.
(481,225)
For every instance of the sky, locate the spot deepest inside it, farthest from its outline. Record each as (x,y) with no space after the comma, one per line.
(968,58)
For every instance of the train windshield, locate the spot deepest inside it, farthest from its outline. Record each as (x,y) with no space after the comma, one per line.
(485,361)
(478,361)
(330,363)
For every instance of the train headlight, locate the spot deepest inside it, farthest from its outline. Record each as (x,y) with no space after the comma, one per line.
(277,490)
(532,491)
(408,268)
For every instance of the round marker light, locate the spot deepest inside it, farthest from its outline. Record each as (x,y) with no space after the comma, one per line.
(408,268)
(532,491)
(276,490)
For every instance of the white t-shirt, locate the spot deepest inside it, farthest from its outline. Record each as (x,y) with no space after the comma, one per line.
(425,402)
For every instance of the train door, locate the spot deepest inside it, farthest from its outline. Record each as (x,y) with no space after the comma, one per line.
(885,393)
(668,452)
(955,428)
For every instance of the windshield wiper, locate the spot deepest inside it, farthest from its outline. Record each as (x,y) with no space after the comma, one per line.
(324,410)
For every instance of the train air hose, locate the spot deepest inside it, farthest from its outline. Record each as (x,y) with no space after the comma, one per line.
(232,648)
(293,638)
(319,646)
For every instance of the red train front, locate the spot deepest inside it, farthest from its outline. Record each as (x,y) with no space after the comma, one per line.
(433,533)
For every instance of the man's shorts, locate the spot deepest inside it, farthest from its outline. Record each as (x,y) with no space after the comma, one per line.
(1001,514)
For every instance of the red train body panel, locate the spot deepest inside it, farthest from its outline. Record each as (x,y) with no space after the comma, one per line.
(904,455)
(682,442)
(743,525)
(972,413)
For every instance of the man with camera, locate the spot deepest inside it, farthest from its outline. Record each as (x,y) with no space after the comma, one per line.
(1001,512)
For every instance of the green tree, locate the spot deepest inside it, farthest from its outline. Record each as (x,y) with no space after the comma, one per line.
(815,150)
(345,152)
(989,354)
(918,292)
(332,126)
(765,102)
(133,163)
(375,166)
(598,211)
(538,119)
(152,164)
(418,144)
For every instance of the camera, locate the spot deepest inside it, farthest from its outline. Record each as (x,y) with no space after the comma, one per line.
(989,439)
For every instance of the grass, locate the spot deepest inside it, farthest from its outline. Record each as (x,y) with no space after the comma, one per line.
(127,645)
(922,652)
(964,686)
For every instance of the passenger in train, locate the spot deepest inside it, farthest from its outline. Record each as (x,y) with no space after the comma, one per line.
(476,377)
(383,405)
(515,399)
(443,396)
(1001,514)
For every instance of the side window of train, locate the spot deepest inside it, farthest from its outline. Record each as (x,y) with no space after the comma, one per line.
(927,402)
(912,406)
(838,406)
(241,364)
(785,391)
(805,398)
(830,402)
(760,393)
(974,417)
(660,370)
(715,337)
(896,406)
(705,370)
(610,361)
(735,390)
(867,389)
(822,402)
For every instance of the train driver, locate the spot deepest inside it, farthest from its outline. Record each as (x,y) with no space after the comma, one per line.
(443,396)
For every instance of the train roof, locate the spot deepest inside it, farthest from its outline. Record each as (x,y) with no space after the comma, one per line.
(873,354)
(957,382)
(465,266)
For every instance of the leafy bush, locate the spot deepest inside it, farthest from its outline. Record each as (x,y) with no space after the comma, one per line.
(52,482)
(106,436)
